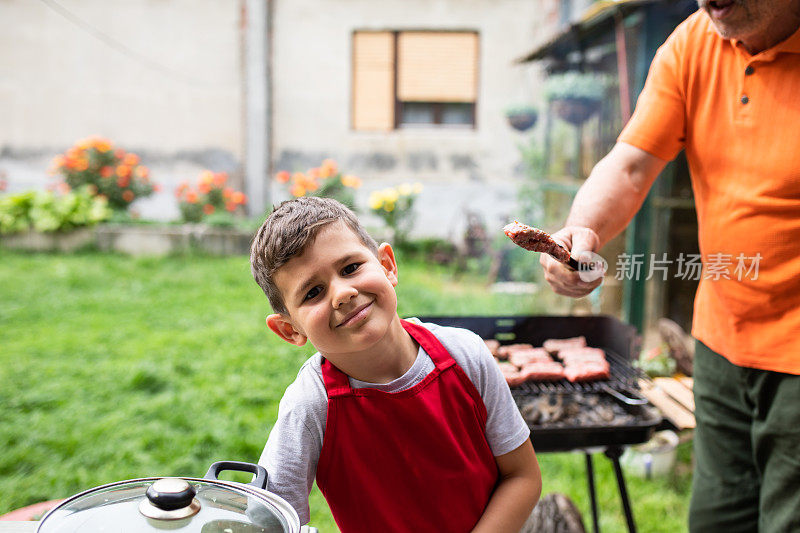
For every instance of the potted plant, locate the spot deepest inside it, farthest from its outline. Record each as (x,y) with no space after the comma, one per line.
(575,96)
(522,117)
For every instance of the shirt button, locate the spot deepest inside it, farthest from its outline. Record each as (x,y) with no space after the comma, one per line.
(749,70)
(744,99)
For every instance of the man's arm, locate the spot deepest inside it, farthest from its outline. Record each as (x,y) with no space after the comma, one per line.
(602,208)
(516,493)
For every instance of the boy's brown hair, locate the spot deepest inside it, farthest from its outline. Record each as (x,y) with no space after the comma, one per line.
(287,231)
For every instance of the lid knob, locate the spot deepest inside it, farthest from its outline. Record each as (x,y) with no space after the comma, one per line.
(168,499)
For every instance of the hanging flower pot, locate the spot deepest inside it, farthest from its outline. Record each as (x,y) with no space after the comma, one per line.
(522,118)
(574,96)
(576,111)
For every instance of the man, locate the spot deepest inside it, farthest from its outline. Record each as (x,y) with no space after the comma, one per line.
(725,87)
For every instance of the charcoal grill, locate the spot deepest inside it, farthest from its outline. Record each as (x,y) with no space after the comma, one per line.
(621,343)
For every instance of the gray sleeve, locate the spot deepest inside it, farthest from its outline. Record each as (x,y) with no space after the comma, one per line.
(505,428)
(293,447)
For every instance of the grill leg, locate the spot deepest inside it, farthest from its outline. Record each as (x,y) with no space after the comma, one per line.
(592,495)
(614,453)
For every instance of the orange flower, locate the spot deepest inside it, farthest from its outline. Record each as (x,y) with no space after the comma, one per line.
(329,167)
(123,181)
(127,195)
(227,192)
(81,164)
(106,172)
(208,209)
(282,177)
(314,173)
(230,206)
(204,187)
(220,178)
(191,197)
(156,187)
(207,177)
(182,186)
(239,198)
(297,190)
(123,170)
(349,180)
(142,171)
(119,153)
(130,160)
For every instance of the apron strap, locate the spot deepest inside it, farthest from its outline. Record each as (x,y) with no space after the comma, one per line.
(441,357)
(336,382)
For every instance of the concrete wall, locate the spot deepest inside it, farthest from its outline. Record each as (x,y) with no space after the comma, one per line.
(165,80)
(460,168)
(159,78)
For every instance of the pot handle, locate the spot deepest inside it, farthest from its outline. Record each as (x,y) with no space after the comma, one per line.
(259,471)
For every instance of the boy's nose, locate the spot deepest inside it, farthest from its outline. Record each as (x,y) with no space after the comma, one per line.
(343,293)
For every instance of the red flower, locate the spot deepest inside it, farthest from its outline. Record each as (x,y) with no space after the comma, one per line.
(220,178)
(123,181)
(208,209)
(282,177)
(106,172)
(127,195)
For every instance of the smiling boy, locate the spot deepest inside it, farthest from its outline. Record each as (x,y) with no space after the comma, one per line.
(406,426)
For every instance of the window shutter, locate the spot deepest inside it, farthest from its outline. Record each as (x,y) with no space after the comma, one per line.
(437,67)
(373,81)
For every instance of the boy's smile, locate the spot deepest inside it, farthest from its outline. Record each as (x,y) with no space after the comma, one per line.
(341,298)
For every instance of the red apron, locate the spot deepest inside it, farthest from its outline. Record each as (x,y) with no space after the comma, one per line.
(416,460)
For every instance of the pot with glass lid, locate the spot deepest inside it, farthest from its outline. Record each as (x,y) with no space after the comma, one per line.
(202,505)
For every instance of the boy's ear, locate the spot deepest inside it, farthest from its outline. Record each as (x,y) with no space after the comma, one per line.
(388,262)
(284,329)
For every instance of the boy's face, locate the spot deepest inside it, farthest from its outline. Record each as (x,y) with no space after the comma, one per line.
(339,295)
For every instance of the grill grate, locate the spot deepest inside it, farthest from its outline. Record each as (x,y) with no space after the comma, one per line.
(623,378)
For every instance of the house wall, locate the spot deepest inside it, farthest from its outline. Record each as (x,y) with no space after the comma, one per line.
(475,169)
(168,86)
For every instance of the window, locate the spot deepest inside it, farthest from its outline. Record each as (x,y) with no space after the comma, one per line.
(414,79)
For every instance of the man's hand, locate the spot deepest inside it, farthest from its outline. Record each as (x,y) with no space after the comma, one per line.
(561,278)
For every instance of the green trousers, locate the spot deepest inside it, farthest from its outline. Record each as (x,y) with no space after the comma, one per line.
(747,448)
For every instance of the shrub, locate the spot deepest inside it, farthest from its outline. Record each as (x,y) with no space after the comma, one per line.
(396,207)
(325,181)
(48,211)
(211,200)
(115,174)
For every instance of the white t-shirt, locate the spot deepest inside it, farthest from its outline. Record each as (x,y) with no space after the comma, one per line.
(293,447)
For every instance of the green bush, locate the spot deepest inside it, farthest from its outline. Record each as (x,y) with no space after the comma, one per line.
(45,211)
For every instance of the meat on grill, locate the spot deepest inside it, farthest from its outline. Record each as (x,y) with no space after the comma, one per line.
(535,240)
(542,371)
(569,355)
(521,358)
(493,345)
(556,345)
(503,352)
(586,371)
(511,373)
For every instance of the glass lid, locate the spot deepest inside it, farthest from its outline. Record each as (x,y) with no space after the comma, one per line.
(174,504)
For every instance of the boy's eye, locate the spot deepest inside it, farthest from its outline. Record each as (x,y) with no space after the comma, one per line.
(349,269)
(312,293)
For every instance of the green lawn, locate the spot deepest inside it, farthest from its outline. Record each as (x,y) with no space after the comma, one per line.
(113,367)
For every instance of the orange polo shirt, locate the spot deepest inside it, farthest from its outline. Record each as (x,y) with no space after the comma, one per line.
(738,118)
